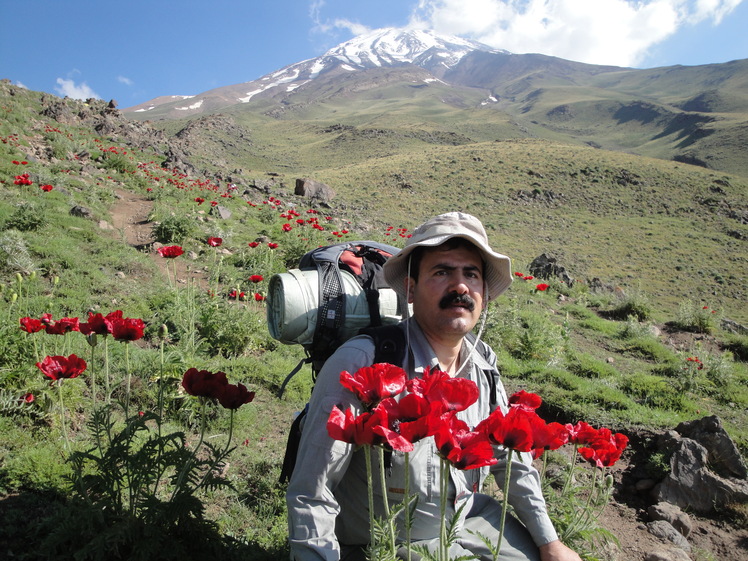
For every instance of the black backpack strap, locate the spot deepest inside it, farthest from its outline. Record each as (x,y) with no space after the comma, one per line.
(389,343)
(292,446)
(492,375)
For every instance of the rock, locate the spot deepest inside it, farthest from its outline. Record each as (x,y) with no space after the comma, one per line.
(690,483)
(723,454)
(667,554)
(315,190)
(81,211)
(665,531)
(546,267)
(119,275)
(221,212)
(672,514)
(104,225)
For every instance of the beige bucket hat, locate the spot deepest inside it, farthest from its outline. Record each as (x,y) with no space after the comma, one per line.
(434,232)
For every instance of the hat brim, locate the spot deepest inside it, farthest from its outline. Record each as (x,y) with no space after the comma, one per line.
(497,267)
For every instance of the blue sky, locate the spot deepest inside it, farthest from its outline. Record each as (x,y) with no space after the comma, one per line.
(138,50)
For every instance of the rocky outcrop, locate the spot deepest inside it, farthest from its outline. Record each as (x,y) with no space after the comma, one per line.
(705,467)
(547,267)
(314,190)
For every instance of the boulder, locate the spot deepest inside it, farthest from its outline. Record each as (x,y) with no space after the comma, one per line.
(671,553)
(691,482)
(547,267)
(723,454)
(315,190)
(665,531)
(673,515)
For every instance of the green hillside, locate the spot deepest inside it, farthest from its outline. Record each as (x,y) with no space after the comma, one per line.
(656,250)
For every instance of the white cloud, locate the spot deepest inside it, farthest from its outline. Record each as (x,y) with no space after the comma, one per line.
(21,85)
(617,32)
(325,25)
(70,89)
(124,80)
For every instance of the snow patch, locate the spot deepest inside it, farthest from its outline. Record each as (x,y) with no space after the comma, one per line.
(146,109)
(195,105)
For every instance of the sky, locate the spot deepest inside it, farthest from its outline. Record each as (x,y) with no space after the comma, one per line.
(138,50)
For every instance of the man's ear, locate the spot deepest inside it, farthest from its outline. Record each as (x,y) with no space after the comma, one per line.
(409,284)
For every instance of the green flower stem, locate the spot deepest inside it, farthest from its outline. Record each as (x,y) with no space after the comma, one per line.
(93,377)
(225,451)
(370,486)
(570,475)
(444,486)
(383,486)
(407,504)
(127,374)
(106,370)
(505,503)
(583,517)
(188,463)
(62,416)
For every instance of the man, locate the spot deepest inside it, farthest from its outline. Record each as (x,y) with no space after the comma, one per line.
(448,272)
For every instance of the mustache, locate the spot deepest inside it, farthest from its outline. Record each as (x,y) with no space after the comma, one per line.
(459,299)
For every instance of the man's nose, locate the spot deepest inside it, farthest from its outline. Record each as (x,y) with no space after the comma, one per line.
(460,284)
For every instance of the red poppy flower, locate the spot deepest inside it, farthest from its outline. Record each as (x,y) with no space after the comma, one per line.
(26,398)
(259,297)
(256,278)
(414,416)
(215,242)
(127,329)
(60,367)
(526,400)
(199,200)
(202,383)
(96,324)
(286,227)
(605,450)
(371,384)
(528,277)
(443,392)
(170,251)
(234,396)
(31,325)
(253,244)
(547,436)
(518,274)
(62,326)
(272,245)
(368,428)
(581,433)
(512,430)
(542,286)
(46,188)
(463,448)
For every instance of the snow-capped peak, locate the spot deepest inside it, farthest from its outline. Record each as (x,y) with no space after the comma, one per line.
(388,46)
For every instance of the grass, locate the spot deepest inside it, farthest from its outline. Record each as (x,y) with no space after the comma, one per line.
(566,343)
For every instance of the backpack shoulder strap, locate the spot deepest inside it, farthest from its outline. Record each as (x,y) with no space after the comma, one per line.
(389,343)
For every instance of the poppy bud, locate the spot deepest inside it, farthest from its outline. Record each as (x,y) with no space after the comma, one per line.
(32,275)
(14,297)
(91,339)
(56,280)
(19,278)
(163,331)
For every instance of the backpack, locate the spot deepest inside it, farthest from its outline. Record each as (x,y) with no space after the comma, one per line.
(389,346)
(336,291)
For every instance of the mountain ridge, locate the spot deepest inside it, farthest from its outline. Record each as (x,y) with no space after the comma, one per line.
(690,114)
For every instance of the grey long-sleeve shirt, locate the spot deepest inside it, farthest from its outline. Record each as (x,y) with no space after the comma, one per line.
(327,495)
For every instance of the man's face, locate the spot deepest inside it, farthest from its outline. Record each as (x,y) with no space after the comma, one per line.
(448,296)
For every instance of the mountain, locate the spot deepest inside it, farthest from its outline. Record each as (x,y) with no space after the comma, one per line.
(696,115)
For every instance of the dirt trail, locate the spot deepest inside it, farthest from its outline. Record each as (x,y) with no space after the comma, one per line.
(130,215)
